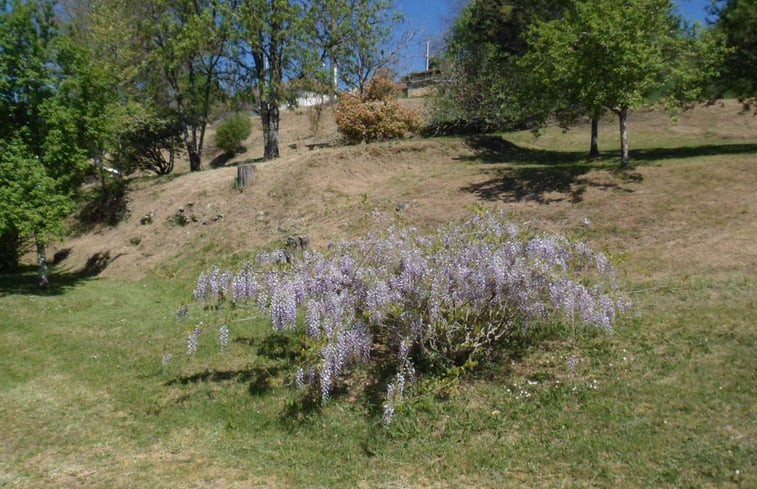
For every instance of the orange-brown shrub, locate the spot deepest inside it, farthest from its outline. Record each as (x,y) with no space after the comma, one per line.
(375,115)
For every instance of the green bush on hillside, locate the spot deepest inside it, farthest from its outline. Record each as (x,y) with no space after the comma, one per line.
(232,132)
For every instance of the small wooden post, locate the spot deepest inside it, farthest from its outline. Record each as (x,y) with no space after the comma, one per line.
(244,175)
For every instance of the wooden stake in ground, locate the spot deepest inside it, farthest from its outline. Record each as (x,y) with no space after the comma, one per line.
(244,175)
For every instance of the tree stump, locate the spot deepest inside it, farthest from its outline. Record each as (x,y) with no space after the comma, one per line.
(244,175)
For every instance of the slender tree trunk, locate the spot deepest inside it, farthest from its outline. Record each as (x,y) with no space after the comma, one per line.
(43,271)
(269,115)
(195,160)
(623,119)
(594,150)
(190,143)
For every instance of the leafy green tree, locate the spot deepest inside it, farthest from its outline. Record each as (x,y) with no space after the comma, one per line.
(615,55)
(480,73)
(32,203)
(287,43)
(350,32)
(186,44)
(142,129)
(147,141)
(737,21)
(273,34)
(48,110)
(170,57)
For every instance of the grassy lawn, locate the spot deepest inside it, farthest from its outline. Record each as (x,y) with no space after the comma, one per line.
(668,400)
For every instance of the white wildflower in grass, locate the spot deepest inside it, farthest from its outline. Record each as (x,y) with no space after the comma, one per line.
(300,378)
(388,415)
(466,290)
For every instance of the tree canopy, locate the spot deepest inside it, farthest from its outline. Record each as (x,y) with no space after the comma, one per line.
(737,22)
(287,42)
(614,55)
(481,76)
(49,109)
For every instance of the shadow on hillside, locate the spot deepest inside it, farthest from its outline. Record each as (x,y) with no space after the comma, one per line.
(532,184)
(495,149)
(537,175)
(547,176)
(25,280)
(690,151)
(105,208)
(222,161)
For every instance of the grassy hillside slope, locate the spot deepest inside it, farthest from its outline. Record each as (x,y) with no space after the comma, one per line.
(668,400)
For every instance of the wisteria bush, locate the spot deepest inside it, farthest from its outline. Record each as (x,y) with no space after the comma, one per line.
(411,300)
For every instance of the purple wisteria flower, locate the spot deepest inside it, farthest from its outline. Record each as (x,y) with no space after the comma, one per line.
(223,337)
(192,340)
(463,289)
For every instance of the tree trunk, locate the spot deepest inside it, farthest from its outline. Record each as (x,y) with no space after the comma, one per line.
(269,115)
(43,271)
(190,143)
(623,118)
(195,161)
(244,175)
(594,150)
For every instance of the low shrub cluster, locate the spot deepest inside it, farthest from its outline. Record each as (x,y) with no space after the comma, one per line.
(375,114)
(415,304)
(232,132)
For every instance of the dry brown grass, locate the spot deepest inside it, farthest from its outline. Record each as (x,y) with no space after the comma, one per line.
(681,209)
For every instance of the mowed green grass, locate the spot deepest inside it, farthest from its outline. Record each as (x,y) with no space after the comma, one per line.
(668,400)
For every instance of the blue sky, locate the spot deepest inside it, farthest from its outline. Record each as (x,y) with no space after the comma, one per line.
(431,17)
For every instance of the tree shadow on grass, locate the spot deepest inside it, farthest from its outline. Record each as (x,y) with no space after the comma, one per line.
(277,353)
(536,175)
(651,154)
(531,184)
(25,280)
(547,176)
(495,149)
(259,378)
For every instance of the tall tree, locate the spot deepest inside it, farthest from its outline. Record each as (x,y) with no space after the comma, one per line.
(144,130)
(272,33)
(353,36)
(185,44)
(737,21)
(170,57)
(479,66)
(49,109)
(284,45)
(615,55)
